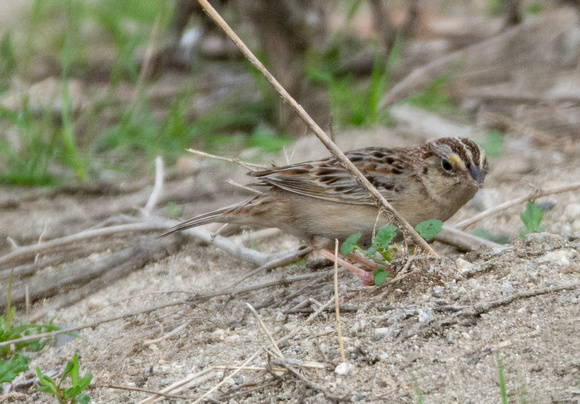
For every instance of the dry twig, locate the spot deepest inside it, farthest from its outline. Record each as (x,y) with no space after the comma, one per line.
(307,321)
(247,166)
(196,297)
(462,240)
(23,254)
(189,381)
(244,289)
(268,334)
(336,302)
(168,335)
(156,393)
(94,324)
(229,377)
(27,253)
(310,383)
(104,273)
(483,307)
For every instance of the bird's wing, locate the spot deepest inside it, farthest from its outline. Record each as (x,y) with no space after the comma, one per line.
(327,179)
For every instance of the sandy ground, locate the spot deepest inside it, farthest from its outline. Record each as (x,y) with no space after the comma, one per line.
(437,334)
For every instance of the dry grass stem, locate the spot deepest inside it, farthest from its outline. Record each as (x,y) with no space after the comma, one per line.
(307,310)
(27,301)
(310,383)
(94,324)
(274,345)
(304,364)
(229,377)
(307,321)
(303,304)
(336,302)
(247,166)
(156,393)
(168,335)
(380,201)
(147,66)
(115,220)
(189,381)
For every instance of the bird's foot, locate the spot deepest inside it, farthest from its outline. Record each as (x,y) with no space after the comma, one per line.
(367,277)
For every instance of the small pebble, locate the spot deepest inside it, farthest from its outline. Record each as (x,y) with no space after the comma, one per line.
(219,334)
(559,257)
(572,212)
(232,338)
(96,303)
(412,357)
(507,287)
(382,332)
(425,315)
(437,291)
(343,369)
(463,265)
(239,379)
(290,326)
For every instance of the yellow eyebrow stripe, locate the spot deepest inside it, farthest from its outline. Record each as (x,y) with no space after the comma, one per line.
(455,159)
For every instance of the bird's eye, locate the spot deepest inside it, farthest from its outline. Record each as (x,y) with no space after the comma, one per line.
(446,165)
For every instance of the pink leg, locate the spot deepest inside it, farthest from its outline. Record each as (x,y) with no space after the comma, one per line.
(367,277)
(371,265)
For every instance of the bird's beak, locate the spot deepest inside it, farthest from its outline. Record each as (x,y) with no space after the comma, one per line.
(476,174)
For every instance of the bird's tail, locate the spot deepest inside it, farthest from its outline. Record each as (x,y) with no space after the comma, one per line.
(216,216)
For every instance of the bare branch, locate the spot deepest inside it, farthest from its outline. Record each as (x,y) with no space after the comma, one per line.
(462,240)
